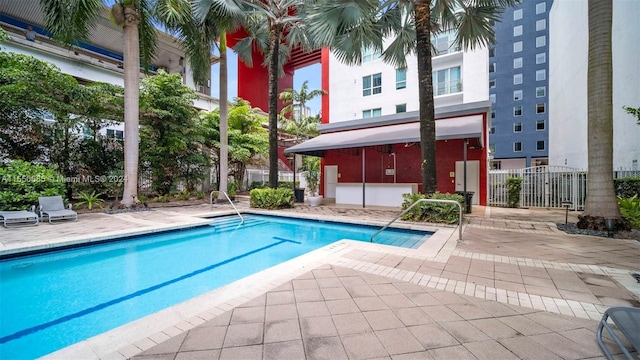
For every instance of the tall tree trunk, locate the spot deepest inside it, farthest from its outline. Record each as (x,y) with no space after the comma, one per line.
(425,92)
(601,196)
(131,104)
(224,120)
(275,35)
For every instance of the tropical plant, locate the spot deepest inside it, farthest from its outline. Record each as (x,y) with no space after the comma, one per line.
(90,199)
(269,198)
(349,27)
(630,210)
(296,101)
(633,112)
(514,187)
(600,203)
(432,212)
(22,183)
(311,168)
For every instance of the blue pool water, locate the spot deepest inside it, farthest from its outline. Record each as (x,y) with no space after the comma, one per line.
(52,300)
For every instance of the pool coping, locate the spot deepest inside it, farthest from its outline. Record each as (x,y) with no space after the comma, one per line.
(132,338)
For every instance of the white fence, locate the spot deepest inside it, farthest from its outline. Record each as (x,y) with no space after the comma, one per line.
(545,186)
(258,175)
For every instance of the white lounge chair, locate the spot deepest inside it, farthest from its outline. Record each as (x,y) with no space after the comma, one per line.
(18,218)
(53,208)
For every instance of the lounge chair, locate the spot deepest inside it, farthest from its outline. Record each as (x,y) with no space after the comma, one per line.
(18,218)
(53,208)
(627,319)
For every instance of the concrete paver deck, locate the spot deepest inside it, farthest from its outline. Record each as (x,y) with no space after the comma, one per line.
(515,287)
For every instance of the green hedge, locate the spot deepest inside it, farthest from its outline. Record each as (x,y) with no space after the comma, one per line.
(22,183)
(628,187)
(432,212)
(264,184)
(267,198)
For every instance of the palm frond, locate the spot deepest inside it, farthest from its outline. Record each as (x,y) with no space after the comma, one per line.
(70,20)
(146,33)
(475,27)
(222,8)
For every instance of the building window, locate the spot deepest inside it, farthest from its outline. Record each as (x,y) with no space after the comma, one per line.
(444,43)
(517,95)
(517,110)
(517,146)
(540,125)
(541,24)
(447,81)
(517,46)
(492,67)
(541,58)
(370,54)
(517,30)
(517,79)
(492,83)
(517,63)
(517,14)
(493,114)
(492,130)
(115,134)
(401,78)
(492,97)
(541,41)
(541,8)
(541,75)
(372,84)
(401,108)
(496,164)
(371,113)
(540,145)
(492,52)
(517,127)
(541,108)
(541,91)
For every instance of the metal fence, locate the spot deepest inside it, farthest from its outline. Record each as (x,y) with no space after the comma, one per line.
(545,186)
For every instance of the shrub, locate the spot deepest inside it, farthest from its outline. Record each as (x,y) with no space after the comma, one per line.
(90,199)
(184,195)
(280,198)
(264,184)
(432,212)
(199,195)
(258,185)
(22,183)
(630,210)
(628,187)
(514,185)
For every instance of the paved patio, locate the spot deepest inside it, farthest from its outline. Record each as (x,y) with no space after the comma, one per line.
(515,287)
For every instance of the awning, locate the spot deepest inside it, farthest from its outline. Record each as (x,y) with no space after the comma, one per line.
(464,127)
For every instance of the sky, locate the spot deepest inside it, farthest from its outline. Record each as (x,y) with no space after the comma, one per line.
(312,73)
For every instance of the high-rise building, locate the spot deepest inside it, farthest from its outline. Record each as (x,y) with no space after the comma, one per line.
(519,87)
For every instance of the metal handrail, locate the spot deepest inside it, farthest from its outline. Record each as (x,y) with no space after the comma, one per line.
(230,202)
(416,203)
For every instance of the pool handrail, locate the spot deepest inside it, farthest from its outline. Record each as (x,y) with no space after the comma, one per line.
(230,202)
(416,203)
(234,208)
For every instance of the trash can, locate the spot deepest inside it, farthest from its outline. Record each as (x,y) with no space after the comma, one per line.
(467,200)
(299,194)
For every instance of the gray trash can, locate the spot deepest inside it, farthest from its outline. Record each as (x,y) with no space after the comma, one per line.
(467,200)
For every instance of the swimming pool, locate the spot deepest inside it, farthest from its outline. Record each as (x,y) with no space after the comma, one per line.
(52,300)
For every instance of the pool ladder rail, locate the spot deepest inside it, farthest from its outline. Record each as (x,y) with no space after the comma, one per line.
(416,203)
(230,202)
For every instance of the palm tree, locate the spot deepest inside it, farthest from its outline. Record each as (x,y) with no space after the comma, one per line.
(350,27)
(274,27)
(600,203)
(71,21)
(298,100)
(199,27)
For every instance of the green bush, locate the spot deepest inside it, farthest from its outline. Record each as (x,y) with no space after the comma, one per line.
(280,198)
(432,212)
(630,210)
(22,183)
(90,199)
(628,187)
(264,184)
(514,186)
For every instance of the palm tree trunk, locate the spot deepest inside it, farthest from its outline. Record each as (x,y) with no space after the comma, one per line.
(601,197)
(131,104)
(425,92)
(275,35)
(224,119)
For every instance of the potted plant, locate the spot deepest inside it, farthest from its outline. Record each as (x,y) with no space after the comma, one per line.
(311,166)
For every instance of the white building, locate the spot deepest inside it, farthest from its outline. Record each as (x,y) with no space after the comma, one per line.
(568,64)
(376,88)
(97,61)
